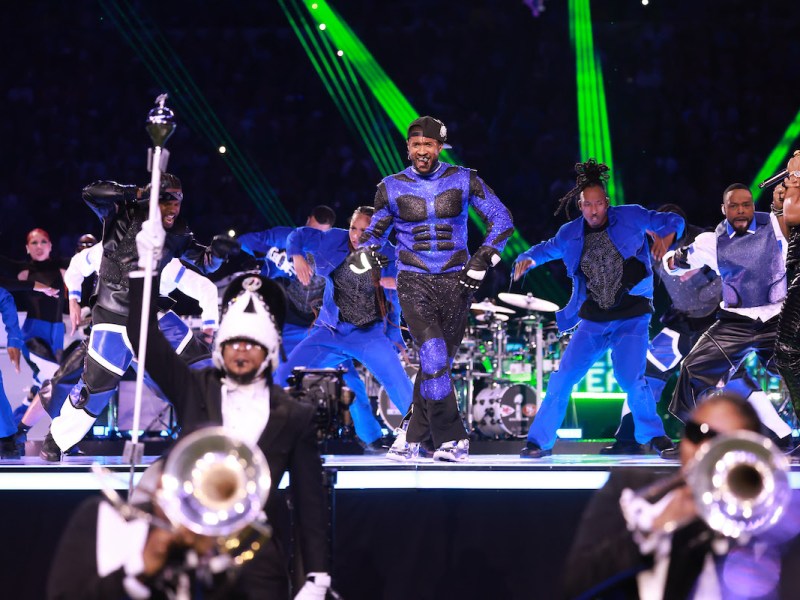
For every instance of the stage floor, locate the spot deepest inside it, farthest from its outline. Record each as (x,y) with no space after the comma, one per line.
(496,526)
(351,472)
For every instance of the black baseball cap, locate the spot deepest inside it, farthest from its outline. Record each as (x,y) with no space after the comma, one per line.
(429,127)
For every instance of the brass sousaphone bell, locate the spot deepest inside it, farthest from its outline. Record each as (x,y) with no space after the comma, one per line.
(213,483)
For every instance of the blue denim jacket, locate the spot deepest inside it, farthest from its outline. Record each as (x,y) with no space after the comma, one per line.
(627,229)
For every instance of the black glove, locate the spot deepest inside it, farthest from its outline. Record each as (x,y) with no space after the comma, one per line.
(223,246)
(364,259)
(680,260)
(474,271)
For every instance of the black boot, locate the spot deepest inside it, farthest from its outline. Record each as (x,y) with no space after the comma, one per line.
(532,450)
(663,446)
(622,447)
(21,437)
(50,450)
(8,448)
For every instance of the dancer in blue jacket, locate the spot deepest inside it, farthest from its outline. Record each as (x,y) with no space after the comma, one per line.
(607,257)
(358,320)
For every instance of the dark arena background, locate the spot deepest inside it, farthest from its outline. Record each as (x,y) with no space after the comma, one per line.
(283,105)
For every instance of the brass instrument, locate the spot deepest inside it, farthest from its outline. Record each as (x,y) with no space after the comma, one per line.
(214,484)
(740,484)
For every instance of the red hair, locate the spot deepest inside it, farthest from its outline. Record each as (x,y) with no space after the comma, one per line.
(33,232)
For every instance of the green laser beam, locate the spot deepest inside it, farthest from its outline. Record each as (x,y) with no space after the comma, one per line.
(168,71)
(593,126)
(361,67)
(779,156)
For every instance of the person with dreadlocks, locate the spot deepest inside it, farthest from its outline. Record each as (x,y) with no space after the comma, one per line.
(607,257)
(358,320)
(428,203)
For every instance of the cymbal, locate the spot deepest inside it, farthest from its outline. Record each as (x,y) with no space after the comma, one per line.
(491,307)
(488,316)
(528,302)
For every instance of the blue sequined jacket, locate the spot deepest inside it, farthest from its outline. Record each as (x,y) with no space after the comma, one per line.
(430,215)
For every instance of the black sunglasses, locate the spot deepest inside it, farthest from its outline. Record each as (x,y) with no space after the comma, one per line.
(697,433)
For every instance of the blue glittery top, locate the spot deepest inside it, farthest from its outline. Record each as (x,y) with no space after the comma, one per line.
(430,214)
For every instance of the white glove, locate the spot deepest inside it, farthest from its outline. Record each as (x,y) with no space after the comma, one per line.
(150,238)
(315,588)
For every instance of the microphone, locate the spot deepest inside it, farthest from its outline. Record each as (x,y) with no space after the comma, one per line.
(778,177)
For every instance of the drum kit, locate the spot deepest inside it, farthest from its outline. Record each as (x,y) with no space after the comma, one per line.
(501,353)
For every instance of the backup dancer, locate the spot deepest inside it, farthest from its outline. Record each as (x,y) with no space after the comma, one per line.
(606,254)
(358,320)
(123,209)
(748,251)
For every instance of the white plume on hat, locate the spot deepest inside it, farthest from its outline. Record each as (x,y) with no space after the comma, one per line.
(248,318)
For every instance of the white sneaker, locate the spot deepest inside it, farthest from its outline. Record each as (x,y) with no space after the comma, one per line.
(402,451)
(455,451)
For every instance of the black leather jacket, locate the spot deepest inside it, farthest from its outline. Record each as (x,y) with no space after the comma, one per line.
(122,215)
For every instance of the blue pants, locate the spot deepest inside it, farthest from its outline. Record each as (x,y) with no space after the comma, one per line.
(44,347)
(368,430)
(628,340)
(7,426)
(293,335)
(49,338)
(326,348)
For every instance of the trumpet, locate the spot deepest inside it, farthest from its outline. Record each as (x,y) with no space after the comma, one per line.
(215,485)
(740,484)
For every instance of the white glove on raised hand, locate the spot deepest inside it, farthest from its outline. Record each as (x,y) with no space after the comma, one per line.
(150,238)
(315,588)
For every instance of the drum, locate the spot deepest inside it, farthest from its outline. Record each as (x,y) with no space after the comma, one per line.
(504,410)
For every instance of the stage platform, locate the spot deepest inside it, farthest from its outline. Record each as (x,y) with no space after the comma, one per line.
(573,465)
(496,526)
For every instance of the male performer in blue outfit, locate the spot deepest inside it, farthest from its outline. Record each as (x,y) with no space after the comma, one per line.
(303,301)
(748,250)
(428,204)
(358,320)
(694,301)
(14,343)
(606,254)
